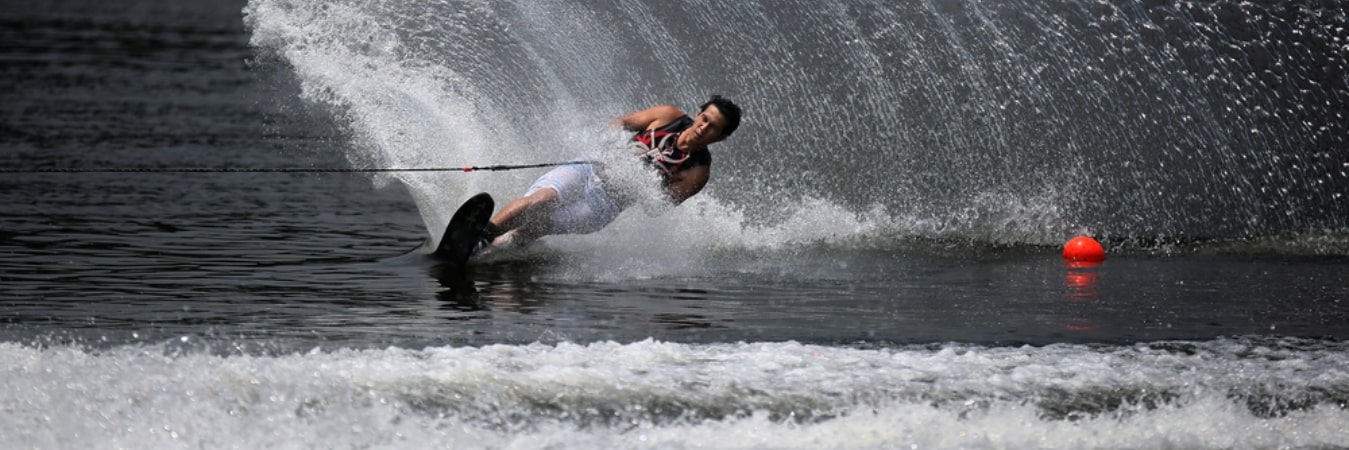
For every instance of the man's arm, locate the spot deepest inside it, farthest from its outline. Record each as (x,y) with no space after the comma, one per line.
(650,118)
(686,183)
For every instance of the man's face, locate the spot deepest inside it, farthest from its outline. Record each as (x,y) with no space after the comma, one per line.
(709,126)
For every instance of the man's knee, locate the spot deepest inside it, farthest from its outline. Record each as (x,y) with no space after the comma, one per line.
(541,197)
(537,202)
(530,211)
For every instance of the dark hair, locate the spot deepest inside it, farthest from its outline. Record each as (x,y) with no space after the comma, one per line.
(728,109)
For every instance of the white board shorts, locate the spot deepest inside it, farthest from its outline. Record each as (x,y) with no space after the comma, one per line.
(583,204)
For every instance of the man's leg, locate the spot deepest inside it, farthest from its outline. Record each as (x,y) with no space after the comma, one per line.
(528,217)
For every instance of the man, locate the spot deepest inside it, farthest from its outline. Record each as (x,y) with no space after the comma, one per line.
(572,199)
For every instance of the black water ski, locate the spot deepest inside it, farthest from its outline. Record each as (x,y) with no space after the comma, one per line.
(466,229)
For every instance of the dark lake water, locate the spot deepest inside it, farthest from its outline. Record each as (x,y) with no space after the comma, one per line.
(159,309)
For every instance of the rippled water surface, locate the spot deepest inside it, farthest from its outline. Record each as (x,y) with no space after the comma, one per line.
(159,309)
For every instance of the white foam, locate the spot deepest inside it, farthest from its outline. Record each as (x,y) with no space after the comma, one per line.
(402,111)
(666,395)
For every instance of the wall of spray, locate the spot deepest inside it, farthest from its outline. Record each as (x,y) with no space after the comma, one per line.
(1011,122)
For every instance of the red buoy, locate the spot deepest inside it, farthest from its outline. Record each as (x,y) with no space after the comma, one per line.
(1083,248)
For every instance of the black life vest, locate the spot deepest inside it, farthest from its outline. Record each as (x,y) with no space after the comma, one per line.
(658,148)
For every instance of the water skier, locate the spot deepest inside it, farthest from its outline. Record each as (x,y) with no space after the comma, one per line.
(573,199)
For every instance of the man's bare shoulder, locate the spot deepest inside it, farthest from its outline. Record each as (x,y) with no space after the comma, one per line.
(651,118)
(662,115)
(665,112)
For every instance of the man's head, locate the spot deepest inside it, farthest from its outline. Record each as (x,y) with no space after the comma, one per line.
(728,109)
(716,120)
